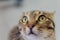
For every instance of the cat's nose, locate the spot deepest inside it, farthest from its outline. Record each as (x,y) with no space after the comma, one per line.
(31,26)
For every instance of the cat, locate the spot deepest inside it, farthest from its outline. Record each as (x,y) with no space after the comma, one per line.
(34,25)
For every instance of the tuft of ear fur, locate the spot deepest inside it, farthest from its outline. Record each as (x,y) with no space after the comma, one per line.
(50,14)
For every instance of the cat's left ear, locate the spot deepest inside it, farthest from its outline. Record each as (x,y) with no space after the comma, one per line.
(52,15)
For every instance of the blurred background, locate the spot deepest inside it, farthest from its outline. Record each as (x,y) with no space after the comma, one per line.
(11,10)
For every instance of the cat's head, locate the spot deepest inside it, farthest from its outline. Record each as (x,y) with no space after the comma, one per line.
(37,22)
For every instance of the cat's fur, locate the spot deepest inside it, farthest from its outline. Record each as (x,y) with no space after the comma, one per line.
(35,28)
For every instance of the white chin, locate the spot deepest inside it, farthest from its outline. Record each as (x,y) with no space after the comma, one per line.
(35,31)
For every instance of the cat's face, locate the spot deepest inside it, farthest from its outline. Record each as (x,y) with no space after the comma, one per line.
(37,23)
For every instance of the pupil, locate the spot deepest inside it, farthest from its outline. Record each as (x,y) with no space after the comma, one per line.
(42,18)
(25,19)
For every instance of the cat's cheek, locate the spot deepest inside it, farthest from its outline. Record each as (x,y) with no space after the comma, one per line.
(35,31)
(27,30)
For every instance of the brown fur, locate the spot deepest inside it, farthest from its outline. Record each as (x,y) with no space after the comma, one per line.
(43,26)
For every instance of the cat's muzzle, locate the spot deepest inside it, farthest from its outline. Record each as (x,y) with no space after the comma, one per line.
(31,32)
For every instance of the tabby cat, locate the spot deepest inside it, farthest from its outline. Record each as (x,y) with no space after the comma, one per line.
(34,25)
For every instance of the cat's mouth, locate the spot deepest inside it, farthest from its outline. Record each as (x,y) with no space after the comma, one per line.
(31,32)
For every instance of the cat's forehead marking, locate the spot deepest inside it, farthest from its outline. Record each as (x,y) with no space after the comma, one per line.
(33,15)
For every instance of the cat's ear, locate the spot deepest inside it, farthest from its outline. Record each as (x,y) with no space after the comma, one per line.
(52,15)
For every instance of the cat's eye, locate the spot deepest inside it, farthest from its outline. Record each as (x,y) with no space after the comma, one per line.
(42,18)
(24,20)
